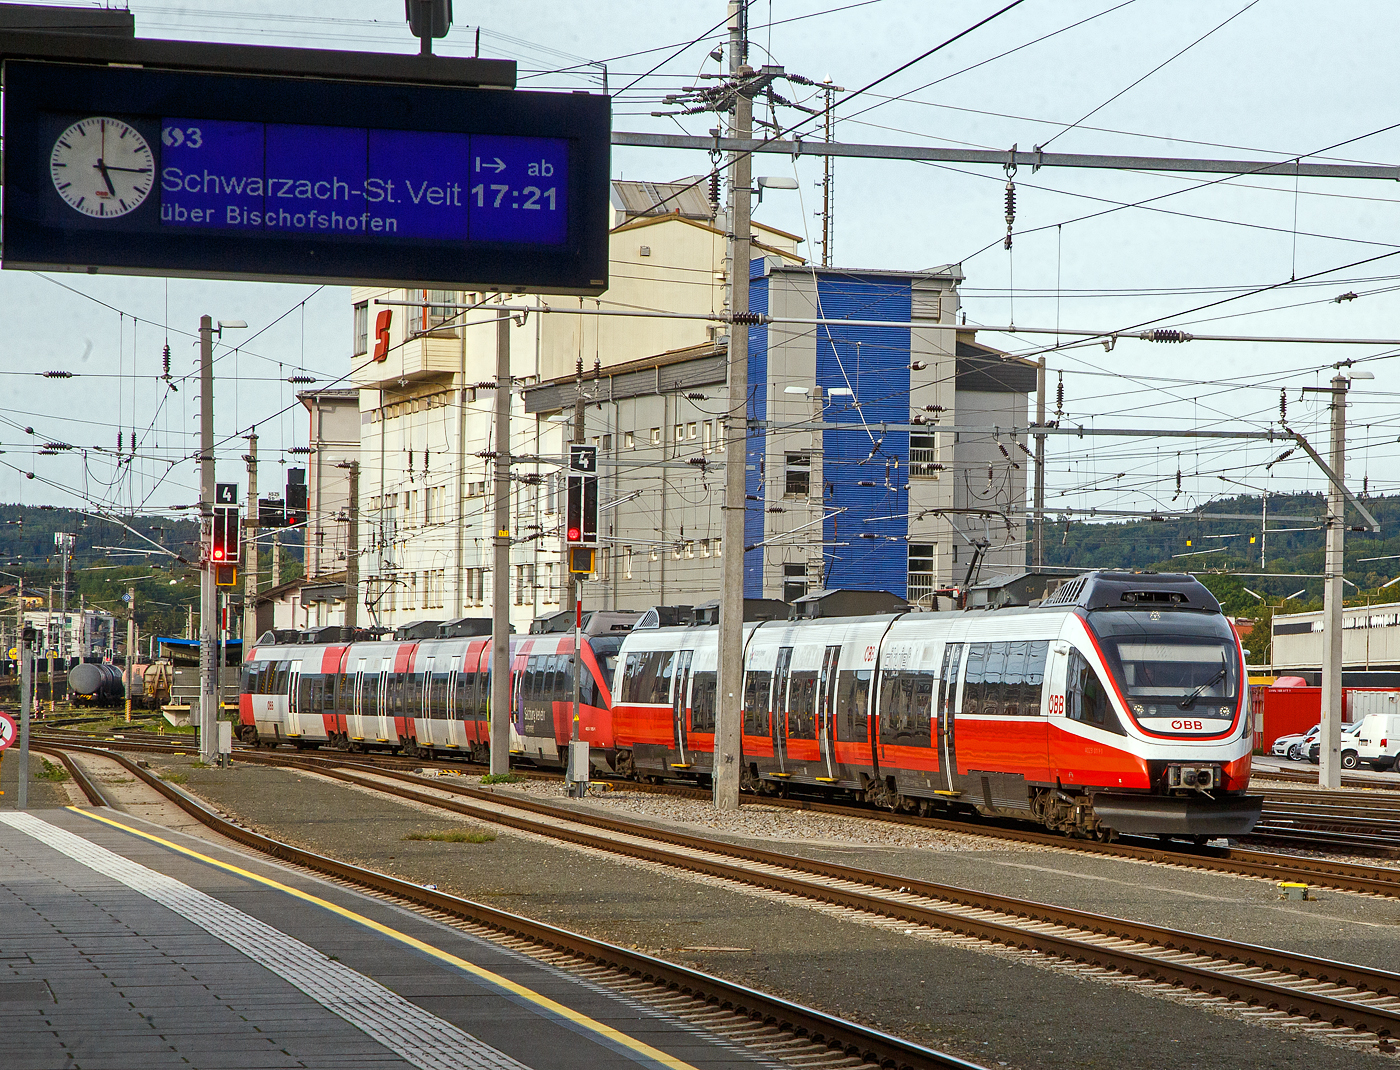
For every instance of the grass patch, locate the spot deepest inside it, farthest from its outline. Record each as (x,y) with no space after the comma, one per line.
(502,778)
(173,777)
(49,771)
(198,764)
(453,837)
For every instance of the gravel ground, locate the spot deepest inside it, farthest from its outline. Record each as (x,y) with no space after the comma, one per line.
(43,793)
(993,1008)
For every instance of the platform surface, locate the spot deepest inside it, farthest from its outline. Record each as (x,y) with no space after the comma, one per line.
(127,946)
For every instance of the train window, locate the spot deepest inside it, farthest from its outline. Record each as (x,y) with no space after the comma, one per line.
(756,688)
(1036,653)
(483,693)
(245,682)
(972,680)
(994,679)
(1013,680)
(328,691)
(369,695)
(802,700)
(1086,698)
(852,705)
(551,674)
(279,686)
(702,701)
(307,698)
(662,687)
(906,700)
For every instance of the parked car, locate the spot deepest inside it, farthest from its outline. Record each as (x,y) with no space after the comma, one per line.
(1295,748)
(1378,740)
(1350,758)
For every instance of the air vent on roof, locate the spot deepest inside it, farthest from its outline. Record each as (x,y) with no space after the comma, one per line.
(1067,594)
(1169,598)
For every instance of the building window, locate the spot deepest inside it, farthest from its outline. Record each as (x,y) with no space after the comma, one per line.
(524,585)
(704,547)
(797,479)
(707,437)
(627,562)
(690,432)
(361,328)
(607,442)
(794,582)
(551,491)
(689,549)
(551,590)
(601,564)
(924,456)
(628,441)
(655,554)
(922,557)
(680,432)
(656,436)
(475,594)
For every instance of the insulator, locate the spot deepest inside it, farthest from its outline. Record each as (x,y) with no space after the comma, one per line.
(1165,334)
(58,375)
(119,440)
(1283,406)
(1060,396)
(1010,203)
(165,360)
(714,191)
(297,380)
(1004,452)
(57,446)
(133,443)
(695,395)
(747,319)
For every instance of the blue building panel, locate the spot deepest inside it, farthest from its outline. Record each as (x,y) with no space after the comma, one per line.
(757,407)
(873,363)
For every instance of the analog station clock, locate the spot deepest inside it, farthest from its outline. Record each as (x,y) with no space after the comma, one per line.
(102,167)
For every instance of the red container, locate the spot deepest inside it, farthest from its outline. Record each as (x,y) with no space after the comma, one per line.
(1283,711)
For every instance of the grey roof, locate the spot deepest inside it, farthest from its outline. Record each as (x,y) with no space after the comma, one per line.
(686,196)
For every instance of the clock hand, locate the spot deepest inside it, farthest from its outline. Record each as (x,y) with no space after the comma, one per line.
(106,177)
(133,170)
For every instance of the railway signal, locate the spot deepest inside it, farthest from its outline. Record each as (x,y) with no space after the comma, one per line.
(226,530)
(581,498)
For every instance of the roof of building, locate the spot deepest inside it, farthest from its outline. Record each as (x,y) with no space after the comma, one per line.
(981,367)
(948,272)
(686,196)
(674,217)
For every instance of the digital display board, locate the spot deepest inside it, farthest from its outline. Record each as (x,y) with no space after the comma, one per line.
(408,186)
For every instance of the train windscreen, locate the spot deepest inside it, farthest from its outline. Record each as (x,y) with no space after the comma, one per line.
(1180,672)
(605,650)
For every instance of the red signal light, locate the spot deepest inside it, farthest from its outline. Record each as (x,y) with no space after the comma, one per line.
(218,555)
(573,534)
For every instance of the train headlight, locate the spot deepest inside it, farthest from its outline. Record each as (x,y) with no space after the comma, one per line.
(1193,777)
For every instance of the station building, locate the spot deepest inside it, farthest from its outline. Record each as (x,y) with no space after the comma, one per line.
(835,499)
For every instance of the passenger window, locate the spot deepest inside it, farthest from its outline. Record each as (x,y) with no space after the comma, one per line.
(1014,679)
(1036,653)
(702,702)
(972,681)
(802,697)
(756,688)
(994,679)
(852,705)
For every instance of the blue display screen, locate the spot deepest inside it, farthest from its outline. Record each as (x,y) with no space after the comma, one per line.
(364,184)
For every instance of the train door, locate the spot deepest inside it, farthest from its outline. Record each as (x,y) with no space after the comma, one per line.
(385,730)
(777,707)
(293,728)
(826,710)
(946,709)
(354,721)
(681,684)
(422,707)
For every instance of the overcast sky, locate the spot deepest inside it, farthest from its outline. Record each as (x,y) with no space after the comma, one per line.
(1268,80)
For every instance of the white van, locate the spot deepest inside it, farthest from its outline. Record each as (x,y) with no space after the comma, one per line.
(1378,740)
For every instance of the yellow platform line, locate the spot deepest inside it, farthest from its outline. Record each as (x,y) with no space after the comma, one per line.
(490,977)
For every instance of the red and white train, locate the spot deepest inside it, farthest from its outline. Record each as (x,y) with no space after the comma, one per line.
(1119,705)
(425,696)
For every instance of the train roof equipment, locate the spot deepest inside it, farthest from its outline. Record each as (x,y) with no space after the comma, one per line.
(845,602)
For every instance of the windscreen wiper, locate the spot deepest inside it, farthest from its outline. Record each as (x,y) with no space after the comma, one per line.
(1190,700)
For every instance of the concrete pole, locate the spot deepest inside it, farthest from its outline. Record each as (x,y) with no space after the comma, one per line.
(130,646)
(1330,751)
(65,646)
(728,756)
(277,559)
(578,785)
(26,713)
(250,553)
(500,568)
(1039,507)
(352,550)
(208,692)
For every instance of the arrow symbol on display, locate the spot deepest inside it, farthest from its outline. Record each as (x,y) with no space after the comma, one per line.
(498,166)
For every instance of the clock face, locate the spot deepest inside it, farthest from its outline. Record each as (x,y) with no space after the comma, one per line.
(102,167)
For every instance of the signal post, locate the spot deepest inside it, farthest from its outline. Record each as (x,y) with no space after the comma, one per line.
(581,546)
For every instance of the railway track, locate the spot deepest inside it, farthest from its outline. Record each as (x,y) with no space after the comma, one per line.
(779,1028)
(1361,999)
(1344,876)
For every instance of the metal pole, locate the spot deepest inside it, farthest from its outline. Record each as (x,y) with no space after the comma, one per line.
(26,712)
(578,781)
(1330,769)
(352,551)
(250,555)
(65,542)
(50,640)
(130,646)
(728,754)
(1039,502)
(500,711)
(208,710)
